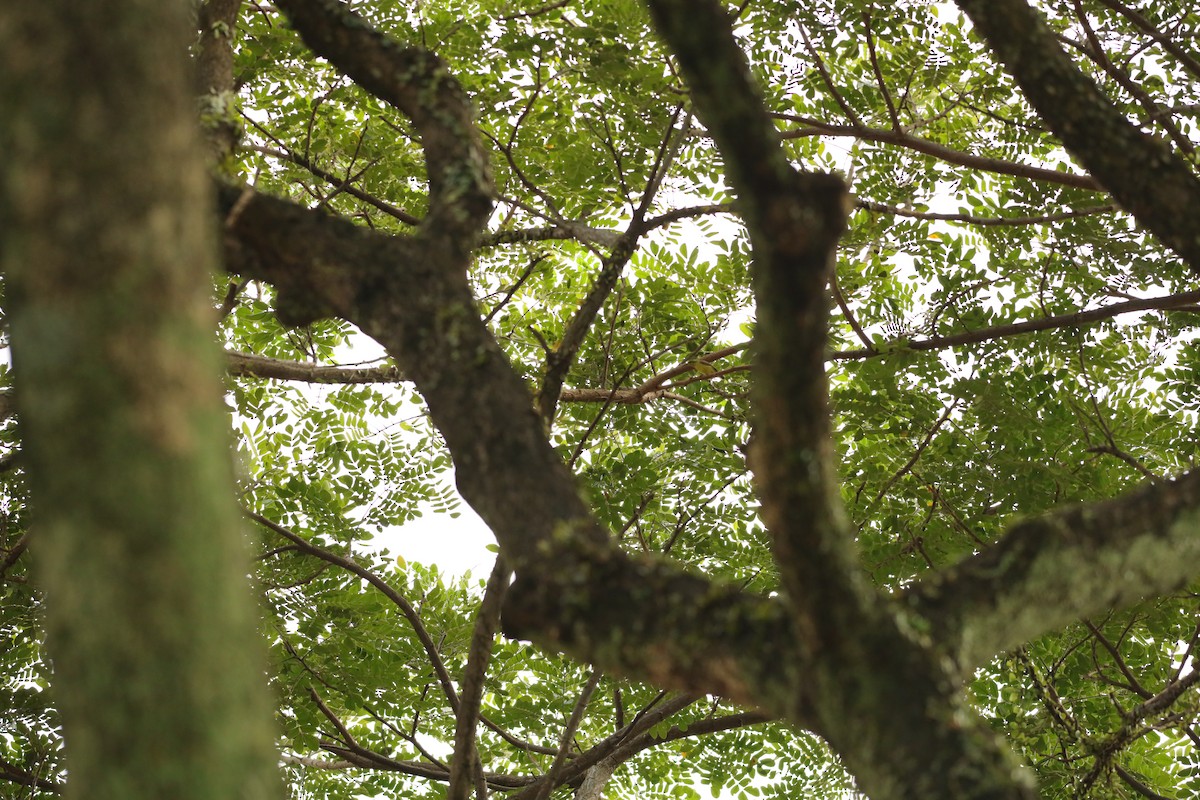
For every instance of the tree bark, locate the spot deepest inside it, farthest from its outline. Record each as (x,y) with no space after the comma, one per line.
(107,250)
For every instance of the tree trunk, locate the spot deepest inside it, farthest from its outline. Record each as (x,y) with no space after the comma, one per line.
(107,247)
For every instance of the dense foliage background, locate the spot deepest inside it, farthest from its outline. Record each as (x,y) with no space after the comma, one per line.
(968,390)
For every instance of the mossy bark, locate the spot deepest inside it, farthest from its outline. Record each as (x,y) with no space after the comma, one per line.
(107,248)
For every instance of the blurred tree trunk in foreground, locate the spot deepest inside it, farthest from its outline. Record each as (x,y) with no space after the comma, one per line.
(107,252)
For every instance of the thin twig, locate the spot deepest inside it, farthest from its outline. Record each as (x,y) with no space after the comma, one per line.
(513,289)
(300,161)
(847,109)
(549,780)
(849,315)
(812,127)
(916,455)
(1041,219)
(1166,303)
(406,608)
(887,96)
(535,12)
(329,715)
(14,553)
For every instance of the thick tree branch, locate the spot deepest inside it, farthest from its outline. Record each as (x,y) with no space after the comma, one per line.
(882,700)
(574,591)
(795,221)
(1155,184)
(320,281)
(425,317)
(417,83)
(412,295)
(1051,570)
(653,621)
(217,24)
(577,593)
(250,365)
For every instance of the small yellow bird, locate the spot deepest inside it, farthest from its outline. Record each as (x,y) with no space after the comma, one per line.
(701,367)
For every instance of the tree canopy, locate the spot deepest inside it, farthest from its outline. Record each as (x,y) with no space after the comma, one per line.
(827,373)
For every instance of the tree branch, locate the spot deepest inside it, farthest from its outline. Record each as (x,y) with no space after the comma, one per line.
(1188,61)
(364,758)
(250,365)
(300,161)
(617,748)
(562,357)
(657,387)
(968,219)
(1182,300)
(14,774)
(14,553)
(1155,112)
(936,150)
(399,600)
(562,230)
(542,789)
(314,763)
(217,27)
(920,741)
(417,83)
(1154,183)
(1137,785)
(1051,570)
(574,591)
(466,763)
